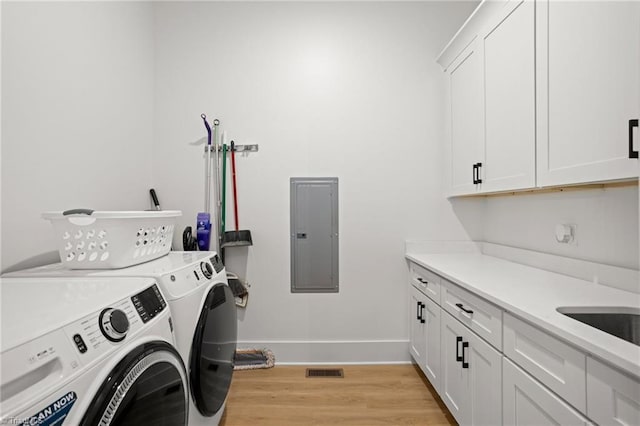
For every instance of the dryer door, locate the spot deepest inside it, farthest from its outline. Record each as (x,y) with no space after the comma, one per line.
(148,387)
(214,346)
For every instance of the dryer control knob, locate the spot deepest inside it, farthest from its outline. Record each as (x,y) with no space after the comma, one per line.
(114,324)
(207,269)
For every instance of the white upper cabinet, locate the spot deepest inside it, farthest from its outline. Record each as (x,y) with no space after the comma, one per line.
(467,143)
(492,95)
(508,54)
(543,93)
(588,75)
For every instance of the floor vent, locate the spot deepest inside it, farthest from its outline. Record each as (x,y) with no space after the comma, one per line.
(325,372)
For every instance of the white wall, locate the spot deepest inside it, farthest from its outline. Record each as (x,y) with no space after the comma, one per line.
(326,89)
(77,108)
(606,219)
(101,100)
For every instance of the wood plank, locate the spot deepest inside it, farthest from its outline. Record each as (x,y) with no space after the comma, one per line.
(563,188)
(367,395)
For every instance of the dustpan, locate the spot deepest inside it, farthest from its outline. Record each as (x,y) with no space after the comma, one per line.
(237,237)
(239,289)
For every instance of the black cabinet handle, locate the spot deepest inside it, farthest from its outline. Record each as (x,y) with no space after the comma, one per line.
(475,169)
(632,152)
(422,281)
(478,180)
(469,311)
(465,364)
(417,310)
(458,356)
(422,306)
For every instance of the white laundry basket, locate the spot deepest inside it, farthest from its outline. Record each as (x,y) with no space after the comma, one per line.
(90,239)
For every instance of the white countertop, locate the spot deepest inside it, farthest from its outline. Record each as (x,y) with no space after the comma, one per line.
(534,294)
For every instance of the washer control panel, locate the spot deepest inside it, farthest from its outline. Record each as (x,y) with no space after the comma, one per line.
(189,277)
(149,303)
(97,333)
(217,263)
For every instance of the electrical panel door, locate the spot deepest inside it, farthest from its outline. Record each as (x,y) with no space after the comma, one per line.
(314,235)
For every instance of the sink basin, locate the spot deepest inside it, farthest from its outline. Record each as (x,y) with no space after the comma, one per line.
(622,322)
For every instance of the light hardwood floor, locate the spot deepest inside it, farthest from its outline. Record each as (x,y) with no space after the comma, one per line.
(367,395)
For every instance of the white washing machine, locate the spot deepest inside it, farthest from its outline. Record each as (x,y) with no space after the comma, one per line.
(89,351)
(204,313)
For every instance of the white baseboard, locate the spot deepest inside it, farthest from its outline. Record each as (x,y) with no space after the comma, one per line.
(334,352)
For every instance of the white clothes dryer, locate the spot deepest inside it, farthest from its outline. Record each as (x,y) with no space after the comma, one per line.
(204,312)
(89,351)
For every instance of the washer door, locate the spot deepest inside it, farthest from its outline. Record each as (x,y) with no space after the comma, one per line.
(214,346)
(148,387)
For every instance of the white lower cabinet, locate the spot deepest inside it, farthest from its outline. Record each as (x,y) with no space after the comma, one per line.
(432,314)
(557,365)
(493,368)
(454,391)
(482,317)
(425,281)
(471,375)
(417,326)
(424,339)
(485,370)
(527,402)
(613,398)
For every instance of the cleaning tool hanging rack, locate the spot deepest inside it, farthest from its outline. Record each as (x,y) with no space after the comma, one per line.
(219,150)
(237,148)
(246,148)
(210,225)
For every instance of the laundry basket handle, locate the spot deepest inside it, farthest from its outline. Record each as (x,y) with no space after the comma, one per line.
(88,212)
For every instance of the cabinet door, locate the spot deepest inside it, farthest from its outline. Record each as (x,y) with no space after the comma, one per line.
(432,314)
(485,382)
(527,402)
(471,375)
(588,78)
(454,380)
(508,53)
(613,398)
(417,333)
(557,365)
(467,111)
